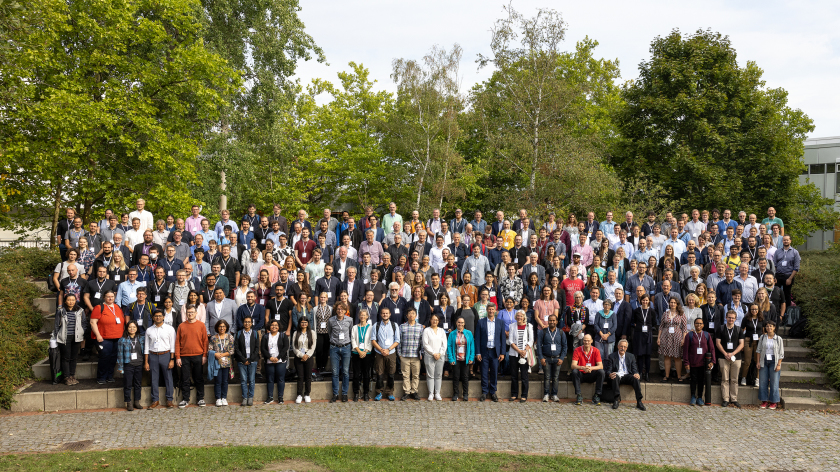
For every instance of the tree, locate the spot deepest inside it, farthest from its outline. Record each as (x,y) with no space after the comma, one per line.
(423,131)
(118,99)
(709,131)
(544,114)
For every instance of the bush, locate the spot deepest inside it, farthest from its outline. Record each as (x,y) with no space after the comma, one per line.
(817,292)
(19,320)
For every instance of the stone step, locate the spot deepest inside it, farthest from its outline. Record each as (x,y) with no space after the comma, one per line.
(803,377)
(800,403)
(41,284)
(46,303)
(798,351)
(47,323)
(794,342)
(814,366)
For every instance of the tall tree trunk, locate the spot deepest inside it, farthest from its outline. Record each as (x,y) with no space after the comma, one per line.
(56,213)
(423,175)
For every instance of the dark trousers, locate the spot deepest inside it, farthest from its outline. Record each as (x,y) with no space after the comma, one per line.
(304,381)
(361,372)
(460,376)
(782,281)
(276,373)
(159,365)
(626,380)
(489,372)
(132,375)
(385,367)
(644,363)
(519,373)
(191,367)
(596,377)
(69,353)
(322,352)
(698,381)
(220,383)
(107,359)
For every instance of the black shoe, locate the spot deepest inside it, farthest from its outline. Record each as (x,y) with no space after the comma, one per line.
(344,398)
(366,397)
(464,398)
(596,400)
(405,397)
(522,400)
(579,400)
(334,399)
(640,406)
(494,397)
(355,397)
(482,397)
(724,404)
(737,405)
(455,398)
(615,404)
(647,377)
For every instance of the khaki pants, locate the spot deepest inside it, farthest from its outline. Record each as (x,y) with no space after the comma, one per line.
(729,379)
(411,374)
(385,367)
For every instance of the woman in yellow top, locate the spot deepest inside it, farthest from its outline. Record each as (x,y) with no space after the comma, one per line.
(507,235)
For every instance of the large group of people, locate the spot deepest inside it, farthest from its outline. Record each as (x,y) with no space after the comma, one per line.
(267,297)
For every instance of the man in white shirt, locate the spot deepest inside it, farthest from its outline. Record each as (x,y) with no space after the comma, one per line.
(679,246)
(625,371)
(593,304)
(158,350)
(695,227)
(434,223)
(611,285)
(146,219)
(749,284)
(436,258)
(134,236)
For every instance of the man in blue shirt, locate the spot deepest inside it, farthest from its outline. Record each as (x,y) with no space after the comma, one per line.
(127,291)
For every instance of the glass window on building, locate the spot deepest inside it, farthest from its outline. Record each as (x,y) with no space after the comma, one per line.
(817,169)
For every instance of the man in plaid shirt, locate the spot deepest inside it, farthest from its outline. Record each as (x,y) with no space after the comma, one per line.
(411,333)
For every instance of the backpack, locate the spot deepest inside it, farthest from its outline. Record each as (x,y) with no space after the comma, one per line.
(798,330)
(51,284)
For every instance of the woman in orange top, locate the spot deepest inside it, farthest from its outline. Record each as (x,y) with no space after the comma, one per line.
(106,325)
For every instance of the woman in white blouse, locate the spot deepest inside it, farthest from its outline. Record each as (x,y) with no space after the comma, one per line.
(242,290)
(434,343)
(521,339)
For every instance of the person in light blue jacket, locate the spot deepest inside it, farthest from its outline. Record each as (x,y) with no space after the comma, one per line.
(605,327)
(460,352)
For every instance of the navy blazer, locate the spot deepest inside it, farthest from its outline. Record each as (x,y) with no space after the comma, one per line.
(624,316)
(500,338)
(358,292)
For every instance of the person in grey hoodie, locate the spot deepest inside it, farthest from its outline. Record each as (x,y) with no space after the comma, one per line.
(69,332)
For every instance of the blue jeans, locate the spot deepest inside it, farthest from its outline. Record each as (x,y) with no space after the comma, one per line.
(552,375)
(220,386)
(276,373)
(768,378)
(489,371)
(246,374)
(342,355)
(107,359)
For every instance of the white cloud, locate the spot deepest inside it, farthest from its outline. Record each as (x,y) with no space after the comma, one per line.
(796,43)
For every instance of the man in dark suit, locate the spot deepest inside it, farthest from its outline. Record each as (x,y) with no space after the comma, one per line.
(342,262)
(422,246)
(353,286)
(624,371)
(143,248)
(356,236)
(661,299)
(623,315)
(491,351)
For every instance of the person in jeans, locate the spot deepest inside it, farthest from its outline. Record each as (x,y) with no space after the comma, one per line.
(521,339)
(386,339)
(190,356)
(222,344)
(551,350)
(460,352)
(275,350)
(730,344)
(130,364)
(411,337)
(770,352)
(303,344)
(434,343)
(69,332)
(158,349)
(247,354)
(361,356)
(338,330)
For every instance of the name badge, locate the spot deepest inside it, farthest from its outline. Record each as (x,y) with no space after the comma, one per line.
(247,352)
(170,273)
(396,311)
(492,293)
(644,329)
(116,278)
(118,320)
(97,295)
(456,258)
(588,364)
(671,330)
(140,321)
(553,347)
(157,298)
(755,336)
(516,260)
(699,350)
(303,255)
(262,301)
(711,324)
(262,241)
(769,357)
(471,268)
(277,317)
(460,349)
(784,263)
(606,326)
(329,294)
(437,302)
(341,336)
(323,325)
(446,326)
(730,345)
(134,356)
(366,281)
(223,272)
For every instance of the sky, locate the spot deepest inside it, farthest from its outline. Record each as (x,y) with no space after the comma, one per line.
(796,43)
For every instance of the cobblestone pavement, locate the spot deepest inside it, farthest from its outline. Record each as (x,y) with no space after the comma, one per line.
(711,438)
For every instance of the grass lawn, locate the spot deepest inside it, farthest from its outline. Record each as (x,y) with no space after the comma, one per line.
(333,458)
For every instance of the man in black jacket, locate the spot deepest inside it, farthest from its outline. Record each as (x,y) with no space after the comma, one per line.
(144,247)
(624,371)
(246,351)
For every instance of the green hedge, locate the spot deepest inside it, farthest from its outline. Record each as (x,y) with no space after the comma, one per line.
(817,293)
(19,320)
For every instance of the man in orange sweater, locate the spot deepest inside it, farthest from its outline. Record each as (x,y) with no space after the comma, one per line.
(191,355)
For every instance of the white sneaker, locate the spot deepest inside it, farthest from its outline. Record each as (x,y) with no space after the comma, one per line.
(438,398)
(218,402)
(545,398)
(744,382)
(555,399)
(298,399)
(224,402)
(756,382)
(431,397)
(307,399)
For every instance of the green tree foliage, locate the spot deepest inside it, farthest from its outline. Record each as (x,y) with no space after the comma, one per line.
(117,99)
(710,132)
(544,114)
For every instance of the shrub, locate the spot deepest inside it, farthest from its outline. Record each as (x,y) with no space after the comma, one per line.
(19,320)
(817,292)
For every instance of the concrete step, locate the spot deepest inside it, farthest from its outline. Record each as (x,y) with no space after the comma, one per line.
(814,366)
(46,303)
(799,403)
(803,377)
(41,284)
(798,351)
(793,342)
(47,323)
(84,370)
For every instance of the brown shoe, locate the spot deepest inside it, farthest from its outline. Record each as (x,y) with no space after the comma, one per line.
(129,406)
(170,404)
(137,405)
(153,406)
(75,382)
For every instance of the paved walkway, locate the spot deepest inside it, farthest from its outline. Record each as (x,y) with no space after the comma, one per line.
(711,438)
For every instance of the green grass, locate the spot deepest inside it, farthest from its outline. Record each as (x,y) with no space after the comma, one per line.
(335,458)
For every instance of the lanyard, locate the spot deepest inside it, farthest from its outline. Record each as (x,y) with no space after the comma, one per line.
(585,357)
(142,310)
(73,282)
(729,333)
(553,335)
(623,364)
(644,316)
(133,344)
(251,310)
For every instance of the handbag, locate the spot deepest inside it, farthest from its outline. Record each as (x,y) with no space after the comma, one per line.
(529,354)
(51,284)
